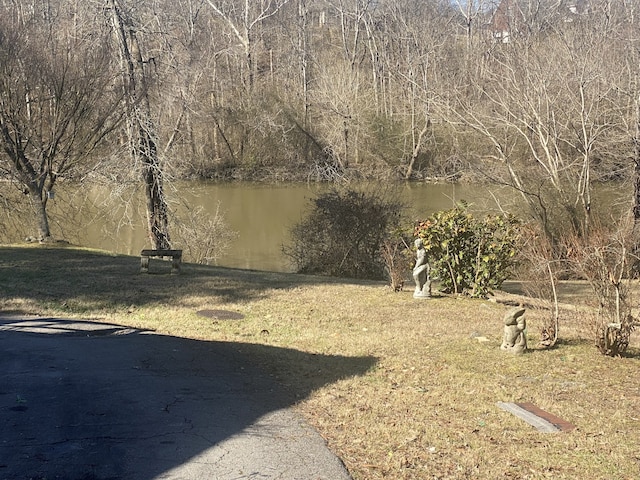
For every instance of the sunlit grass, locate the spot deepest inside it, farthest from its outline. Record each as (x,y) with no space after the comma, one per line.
(426,409)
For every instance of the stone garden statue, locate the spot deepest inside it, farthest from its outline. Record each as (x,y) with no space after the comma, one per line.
(421,272)
(514,339)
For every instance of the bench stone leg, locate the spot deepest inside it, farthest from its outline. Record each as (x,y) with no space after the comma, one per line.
(175,265)
(144,264)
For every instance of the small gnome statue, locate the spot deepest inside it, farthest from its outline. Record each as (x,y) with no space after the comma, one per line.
(514,340)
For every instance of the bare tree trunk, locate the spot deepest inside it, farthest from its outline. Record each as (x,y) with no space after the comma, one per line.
(635,268)
(40,213)
(141,130)
(417,146)
(303,52)
(28,177)
(636,173)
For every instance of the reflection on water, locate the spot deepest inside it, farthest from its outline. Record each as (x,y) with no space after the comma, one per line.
(261,215)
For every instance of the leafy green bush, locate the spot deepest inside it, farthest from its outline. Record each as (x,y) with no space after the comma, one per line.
(469,255)
(343,234)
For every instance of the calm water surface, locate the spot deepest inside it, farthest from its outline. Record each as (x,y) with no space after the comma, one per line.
(262,216)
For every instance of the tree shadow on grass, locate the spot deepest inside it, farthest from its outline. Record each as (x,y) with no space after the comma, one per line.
(62,275)
(84,400)
(632,352)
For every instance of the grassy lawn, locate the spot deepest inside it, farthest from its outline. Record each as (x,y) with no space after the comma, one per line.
(400,388)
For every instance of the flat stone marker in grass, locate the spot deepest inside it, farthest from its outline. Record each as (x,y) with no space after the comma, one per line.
(541,420)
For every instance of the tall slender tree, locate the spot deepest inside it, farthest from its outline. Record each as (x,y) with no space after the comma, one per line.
(141,130)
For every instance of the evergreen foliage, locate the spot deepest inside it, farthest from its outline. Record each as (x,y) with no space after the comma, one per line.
(469,255)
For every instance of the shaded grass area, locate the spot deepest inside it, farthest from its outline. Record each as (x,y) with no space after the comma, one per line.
(426,406)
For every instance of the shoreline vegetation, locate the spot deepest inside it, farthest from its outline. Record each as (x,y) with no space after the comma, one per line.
(427,409)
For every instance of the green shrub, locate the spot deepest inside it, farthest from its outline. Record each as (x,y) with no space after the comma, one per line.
(469,255)
(343,234)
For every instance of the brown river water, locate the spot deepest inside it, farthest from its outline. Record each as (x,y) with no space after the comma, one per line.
(261,214)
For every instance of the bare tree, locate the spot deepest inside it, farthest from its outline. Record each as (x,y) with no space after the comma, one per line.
(344,97)
(353,16)
(244,22)
(604,260)
(415,62)
(141,130)
(343,101)
(550,115)
(56,101)
(473,14)
(303,56)
(627,53)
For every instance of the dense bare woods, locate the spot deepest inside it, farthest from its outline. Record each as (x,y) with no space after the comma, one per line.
(539,94)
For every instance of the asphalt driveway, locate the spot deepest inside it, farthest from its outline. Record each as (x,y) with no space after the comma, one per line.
(86,400)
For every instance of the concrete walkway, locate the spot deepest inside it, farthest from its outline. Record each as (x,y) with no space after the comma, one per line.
(91,401)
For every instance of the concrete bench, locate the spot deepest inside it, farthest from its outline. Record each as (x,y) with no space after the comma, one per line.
(176,255)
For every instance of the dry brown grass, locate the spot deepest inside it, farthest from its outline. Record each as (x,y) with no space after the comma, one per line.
(426,406)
